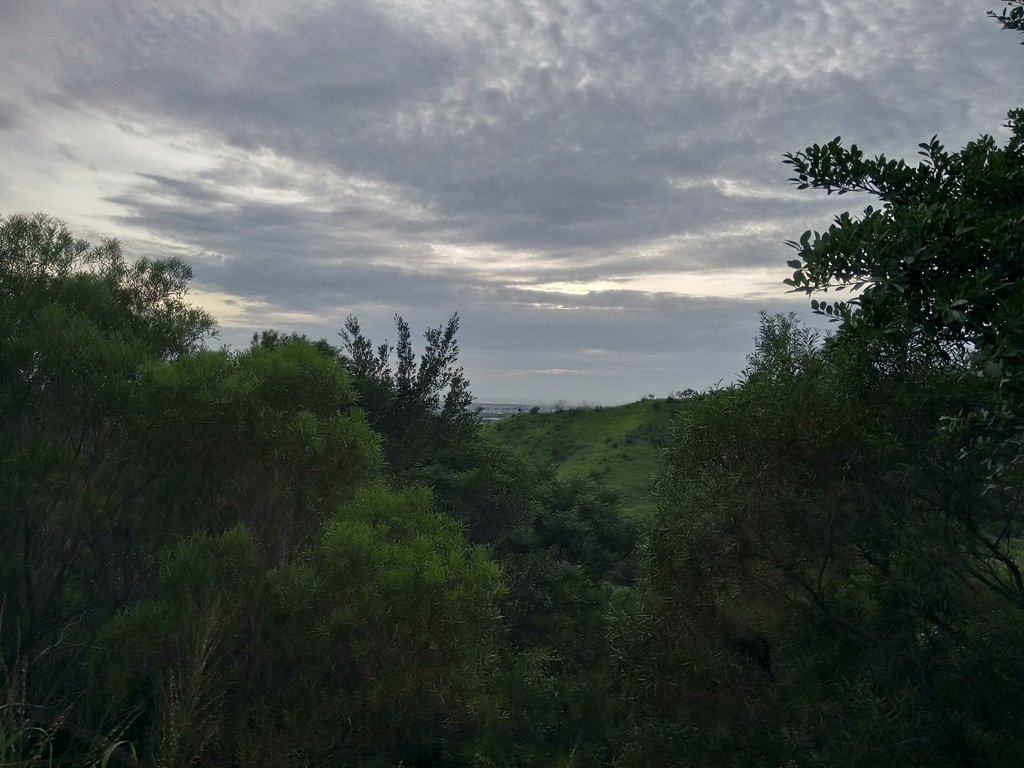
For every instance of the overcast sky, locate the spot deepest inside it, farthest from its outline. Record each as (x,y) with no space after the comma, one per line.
(595,186)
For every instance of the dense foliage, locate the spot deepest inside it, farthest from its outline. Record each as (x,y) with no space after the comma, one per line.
(834,575)
(274,556)
(830,578)
(308,554)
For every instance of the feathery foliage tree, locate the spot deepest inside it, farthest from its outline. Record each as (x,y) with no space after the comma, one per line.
(423,409)
(79,323)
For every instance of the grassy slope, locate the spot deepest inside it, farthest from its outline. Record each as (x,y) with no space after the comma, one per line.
(619,446)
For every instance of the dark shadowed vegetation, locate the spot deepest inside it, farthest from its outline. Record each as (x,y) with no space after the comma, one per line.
(304,553)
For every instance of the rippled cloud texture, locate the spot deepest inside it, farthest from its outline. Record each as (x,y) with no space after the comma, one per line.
(595,186)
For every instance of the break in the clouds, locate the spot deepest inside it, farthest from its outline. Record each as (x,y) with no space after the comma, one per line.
(595,186)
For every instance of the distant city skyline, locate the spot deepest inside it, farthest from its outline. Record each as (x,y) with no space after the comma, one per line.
(595,186)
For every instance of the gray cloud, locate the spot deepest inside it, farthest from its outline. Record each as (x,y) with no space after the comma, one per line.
(398,156)
(8,115)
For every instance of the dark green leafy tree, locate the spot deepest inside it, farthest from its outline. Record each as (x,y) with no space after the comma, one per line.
(825,583)
(189,563)
(936,269)
(1012,16)
(834,575)
(937,263)
(563,546)
(373,649)
(270,437)
(77,324)
(119,436)
(572,550)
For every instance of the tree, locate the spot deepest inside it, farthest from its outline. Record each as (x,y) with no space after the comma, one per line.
(563,562)
(937,268)
(119,435)
(424,411)
(78,322)
(1012,16)
(271,437)
(372,649)
(826,582)
(938,263)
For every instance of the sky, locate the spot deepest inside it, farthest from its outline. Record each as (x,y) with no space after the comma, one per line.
(595,186)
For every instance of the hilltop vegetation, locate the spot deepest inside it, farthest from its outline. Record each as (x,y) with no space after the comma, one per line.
(619,447)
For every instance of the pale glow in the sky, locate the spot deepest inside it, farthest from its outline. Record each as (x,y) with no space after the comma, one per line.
(728,284)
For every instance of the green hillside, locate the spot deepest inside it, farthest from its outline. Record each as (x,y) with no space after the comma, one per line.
(619,446)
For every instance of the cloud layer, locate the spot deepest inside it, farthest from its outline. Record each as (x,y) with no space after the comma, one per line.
(595,185)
